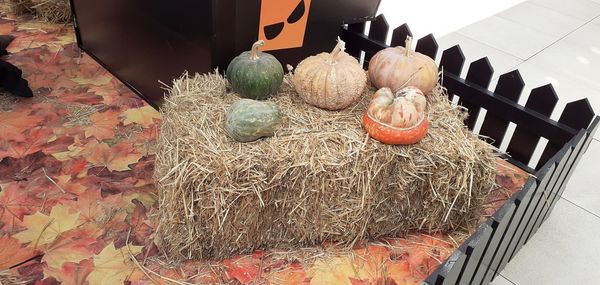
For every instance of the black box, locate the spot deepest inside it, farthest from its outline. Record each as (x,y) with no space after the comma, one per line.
(142,42)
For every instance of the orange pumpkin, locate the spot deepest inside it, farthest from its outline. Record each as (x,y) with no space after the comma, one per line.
(397,118)
(332,81)
(398,67)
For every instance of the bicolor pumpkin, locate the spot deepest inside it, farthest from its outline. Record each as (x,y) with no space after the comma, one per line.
(398,118)
(398,67)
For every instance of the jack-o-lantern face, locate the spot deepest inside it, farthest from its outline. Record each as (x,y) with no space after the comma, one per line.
(283,23)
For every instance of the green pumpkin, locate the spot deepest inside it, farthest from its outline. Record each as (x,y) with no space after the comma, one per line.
(254,74)
(249,120)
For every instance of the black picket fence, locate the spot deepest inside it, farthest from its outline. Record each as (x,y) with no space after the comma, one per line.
(479,259)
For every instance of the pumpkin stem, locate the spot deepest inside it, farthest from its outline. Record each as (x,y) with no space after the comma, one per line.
(254,51)
(340,47)
(408,45)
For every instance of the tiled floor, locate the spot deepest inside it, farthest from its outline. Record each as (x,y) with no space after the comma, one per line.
(549,41)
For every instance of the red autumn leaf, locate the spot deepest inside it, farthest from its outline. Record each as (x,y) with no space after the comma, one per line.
(51,114)
(75,166)
(243,269)
(6,28)
(116,158)
(21,169)
(89,204)
(31,270)
(103,125)
(15,203)
(72,246)
(15,124)
(140,229)
(80,96)
(36,138)
(12,252)
(58,144)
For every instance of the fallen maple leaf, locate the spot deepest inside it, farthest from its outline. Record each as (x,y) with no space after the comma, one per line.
(43,229)
(71,273)
(114,266)
(15,124)
(89,204)
(36,139)
(103,125)
(244,269)
(74,150)
(116,158)
(15,203)
(72,246)
(12,252)
(367,264)
(334,270)
(144,116)
(293,274)
(6,28)
(94,75)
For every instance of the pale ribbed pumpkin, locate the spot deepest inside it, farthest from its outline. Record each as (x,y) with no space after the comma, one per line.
(332,81)
(397,118)
(398,67)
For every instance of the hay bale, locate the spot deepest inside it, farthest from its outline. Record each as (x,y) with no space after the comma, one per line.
(20,7)
(52,11)
(319,178)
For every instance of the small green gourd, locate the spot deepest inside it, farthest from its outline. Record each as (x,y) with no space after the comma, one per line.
(249,120)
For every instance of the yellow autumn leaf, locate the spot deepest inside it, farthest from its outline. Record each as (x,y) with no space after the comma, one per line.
(335,270)
(37,26)
(144,116)
(73,151)
(114,266)
(43,229)
(147,199)
(98,80)
(370,264)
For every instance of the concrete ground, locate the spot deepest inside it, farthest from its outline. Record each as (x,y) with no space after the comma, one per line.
(548,41)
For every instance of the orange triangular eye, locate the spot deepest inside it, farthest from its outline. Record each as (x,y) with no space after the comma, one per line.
(272,31)
(297,14)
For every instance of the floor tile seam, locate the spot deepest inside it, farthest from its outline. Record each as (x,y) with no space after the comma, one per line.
(552,7)
(580,207)
(577,81)
(535,29)
(507,279)
(487,45)
(496,76)
(563,37)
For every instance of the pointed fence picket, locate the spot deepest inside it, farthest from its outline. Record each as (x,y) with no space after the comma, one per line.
(479,259)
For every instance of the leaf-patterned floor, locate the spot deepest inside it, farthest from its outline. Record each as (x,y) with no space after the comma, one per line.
(77,198)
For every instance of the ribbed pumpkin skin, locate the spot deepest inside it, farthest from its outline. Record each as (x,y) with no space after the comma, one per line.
(255,79)
(392,68)
(330,85)
(249,120)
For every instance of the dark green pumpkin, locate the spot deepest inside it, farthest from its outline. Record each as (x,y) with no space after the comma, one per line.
(248,120)
(254,74)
